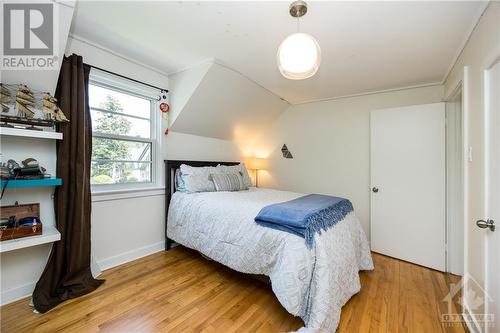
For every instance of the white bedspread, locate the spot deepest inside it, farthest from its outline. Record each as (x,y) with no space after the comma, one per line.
(313,284)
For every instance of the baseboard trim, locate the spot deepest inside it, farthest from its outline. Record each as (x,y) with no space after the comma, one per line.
(131,255)
(15,294)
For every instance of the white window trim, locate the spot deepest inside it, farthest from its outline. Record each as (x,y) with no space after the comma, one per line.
(117,191)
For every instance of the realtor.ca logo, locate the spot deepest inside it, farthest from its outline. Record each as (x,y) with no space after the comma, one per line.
(28,36)
(475,304)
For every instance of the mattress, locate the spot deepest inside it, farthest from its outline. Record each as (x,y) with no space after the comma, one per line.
(311,283)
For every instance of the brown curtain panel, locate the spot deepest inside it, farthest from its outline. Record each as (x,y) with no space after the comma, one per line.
(67,274)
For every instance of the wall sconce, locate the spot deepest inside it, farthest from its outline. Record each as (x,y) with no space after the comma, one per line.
(257,164)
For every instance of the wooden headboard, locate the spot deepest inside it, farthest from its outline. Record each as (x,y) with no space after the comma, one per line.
(171,167)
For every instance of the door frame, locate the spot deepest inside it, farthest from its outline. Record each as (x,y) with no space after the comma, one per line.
(455,231)
(486,180)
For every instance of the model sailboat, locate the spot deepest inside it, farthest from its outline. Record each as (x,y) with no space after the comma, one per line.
(50,108)
(22,105)
(4,98)
(24,99)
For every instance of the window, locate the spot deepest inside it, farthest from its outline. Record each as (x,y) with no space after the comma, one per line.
(124,133)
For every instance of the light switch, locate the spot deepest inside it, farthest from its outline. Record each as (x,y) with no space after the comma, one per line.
(469,154)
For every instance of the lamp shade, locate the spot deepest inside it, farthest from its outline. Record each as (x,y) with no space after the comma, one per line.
(257,163)
(299,56)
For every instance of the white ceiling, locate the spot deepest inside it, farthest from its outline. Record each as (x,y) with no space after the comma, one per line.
(366,46)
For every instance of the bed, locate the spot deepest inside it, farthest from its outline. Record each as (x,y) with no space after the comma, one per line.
(311,283)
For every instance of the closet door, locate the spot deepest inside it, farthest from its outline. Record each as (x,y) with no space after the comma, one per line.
(408,184)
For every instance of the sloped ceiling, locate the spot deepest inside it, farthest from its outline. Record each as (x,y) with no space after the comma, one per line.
(366,46)
(183,85)
(214,101)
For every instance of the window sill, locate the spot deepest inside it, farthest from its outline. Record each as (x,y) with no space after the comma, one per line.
(110,195)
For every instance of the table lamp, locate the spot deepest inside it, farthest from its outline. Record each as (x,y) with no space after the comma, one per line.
(257,164)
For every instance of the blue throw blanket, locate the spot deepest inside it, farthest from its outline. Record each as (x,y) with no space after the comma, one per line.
(305,216)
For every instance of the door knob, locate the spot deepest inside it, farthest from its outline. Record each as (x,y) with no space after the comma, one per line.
(375,189)
(486,224)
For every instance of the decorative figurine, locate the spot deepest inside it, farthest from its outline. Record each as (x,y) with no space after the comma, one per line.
(24,98)
(4,97)
(23,107)
(50,108)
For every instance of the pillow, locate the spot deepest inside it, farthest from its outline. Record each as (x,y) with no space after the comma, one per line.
(228,182)
(179,182)
(197,179)
(235,169)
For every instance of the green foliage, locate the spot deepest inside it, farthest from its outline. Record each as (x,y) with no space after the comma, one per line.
(102,179)
(109,149)
(111,123)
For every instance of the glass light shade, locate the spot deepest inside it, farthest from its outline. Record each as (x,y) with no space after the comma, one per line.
(299,56)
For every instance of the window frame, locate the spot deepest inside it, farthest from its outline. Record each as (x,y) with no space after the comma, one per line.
(108,81)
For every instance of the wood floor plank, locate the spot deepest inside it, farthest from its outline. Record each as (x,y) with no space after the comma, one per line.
(180,291)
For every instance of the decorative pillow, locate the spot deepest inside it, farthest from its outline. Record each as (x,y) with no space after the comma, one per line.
(228,182)
(197,179)
(179,182)
(235,169)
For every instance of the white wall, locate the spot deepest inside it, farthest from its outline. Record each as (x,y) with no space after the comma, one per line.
(100,56)
(179,146)
(454,186)
(480,52)
(329,141)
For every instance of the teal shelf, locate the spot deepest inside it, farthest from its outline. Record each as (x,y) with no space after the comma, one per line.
(33,182)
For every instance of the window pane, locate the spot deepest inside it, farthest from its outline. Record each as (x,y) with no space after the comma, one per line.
(108,172)
(111,149)
(111,100)
(110,123)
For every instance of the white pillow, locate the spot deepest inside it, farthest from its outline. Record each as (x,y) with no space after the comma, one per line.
(228,182)
(197,179)
(237,168)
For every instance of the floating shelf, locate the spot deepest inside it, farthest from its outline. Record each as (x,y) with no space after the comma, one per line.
(30,133)
(32,182)
(49,234)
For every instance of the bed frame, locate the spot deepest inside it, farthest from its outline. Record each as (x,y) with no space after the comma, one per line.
(171,167)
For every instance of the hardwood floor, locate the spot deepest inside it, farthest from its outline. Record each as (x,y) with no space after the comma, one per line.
(179,291)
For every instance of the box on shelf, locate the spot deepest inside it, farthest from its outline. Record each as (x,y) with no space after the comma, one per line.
(19,212)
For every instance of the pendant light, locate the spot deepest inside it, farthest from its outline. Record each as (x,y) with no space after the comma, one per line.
(299,55)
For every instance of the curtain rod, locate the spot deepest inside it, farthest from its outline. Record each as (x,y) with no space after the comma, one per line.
(123,76)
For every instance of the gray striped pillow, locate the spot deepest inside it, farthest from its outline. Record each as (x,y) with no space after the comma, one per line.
(228,182)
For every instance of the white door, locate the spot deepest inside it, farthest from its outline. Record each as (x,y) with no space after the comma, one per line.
(491,188)
(408,183)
